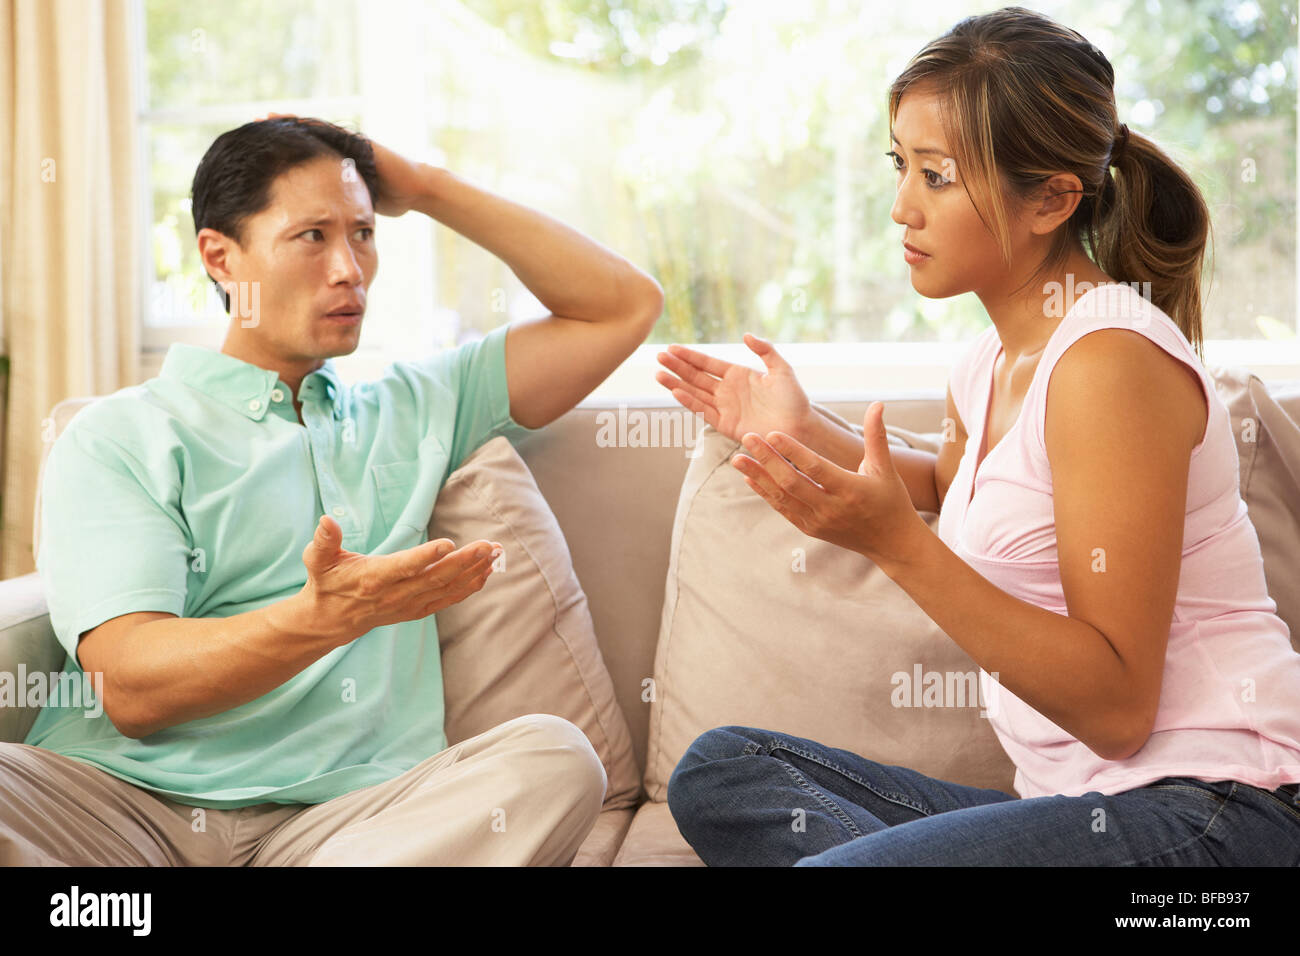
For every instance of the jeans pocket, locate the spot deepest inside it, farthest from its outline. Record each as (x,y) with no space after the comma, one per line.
(1286,797)
(1220,790)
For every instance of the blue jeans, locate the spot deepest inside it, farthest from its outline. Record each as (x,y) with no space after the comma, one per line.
(748,797)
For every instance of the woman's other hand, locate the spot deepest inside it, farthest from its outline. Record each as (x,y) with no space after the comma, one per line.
(868,511)
(735,399)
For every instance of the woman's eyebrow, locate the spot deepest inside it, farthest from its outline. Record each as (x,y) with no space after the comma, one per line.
(922,151)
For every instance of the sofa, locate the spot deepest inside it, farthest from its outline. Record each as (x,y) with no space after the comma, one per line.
(705,608)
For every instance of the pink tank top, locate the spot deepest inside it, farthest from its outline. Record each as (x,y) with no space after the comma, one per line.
(1230,699)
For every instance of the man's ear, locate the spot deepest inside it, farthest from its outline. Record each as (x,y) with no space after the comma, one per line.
(215,252)
(1054,203)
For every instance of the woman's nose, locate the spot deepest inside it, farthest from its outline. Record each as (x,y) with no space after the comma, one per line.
(904,211)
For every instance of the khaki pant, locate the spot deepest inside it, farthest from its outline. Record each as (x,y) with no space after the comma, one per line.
(526,792)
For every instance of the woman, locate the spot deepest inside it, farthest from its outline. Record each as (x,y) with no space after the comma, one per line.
(1093,550)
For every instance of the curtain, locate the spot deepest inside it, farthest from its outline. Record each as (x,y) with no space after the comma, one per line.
(70,286)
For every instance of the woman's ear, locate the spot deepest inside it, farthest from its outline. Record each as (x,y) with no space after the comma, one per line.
(1054,203)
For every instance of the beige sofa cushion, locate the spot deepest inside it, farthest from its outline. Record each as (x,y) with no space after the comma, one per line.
(654,840)
(602,844)
(766,627)
(1268,450)
(525,643)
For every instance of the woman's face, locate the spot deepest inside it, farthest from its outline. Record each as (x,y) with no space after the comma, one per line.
(935,210)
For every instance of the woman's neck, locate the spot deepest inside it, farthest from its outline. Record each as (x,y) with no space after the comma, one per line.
(1026,319)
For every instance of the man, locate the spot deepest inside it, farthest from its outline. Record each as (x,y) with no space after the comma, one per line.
(236,546)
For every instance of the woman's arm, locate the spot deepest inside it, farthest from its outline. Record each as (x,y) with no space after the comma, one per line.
(1121,424)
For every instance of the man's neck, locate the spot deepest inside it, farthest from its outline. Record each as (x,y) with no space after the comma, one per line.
(290,371)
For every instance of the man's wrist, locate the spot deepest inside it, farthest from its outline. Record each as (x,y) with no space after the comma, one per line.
(435,180)
(298,619)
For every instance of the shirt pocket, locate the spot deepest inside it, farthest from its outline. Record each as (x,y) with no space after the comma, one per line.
(405,490)
(394,484)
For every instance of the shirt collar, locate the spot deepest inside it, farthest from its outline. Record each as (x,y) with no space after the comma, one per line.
(243,386)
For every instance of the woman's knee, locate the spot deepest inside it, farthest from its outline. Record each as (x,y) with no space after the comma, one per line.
(721,743)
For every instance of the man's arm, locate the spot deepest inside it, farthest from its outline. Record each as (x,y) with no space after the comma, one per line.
(602,307)
(160,670)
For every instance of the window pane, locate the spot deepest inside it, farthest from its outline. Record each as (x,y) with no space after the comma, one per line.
(241,51)
(735,149)
(181,293)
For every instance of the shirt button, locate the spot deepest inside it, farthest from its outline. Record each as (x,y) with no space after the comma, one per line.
(277,395)
(340,512)
(254,405)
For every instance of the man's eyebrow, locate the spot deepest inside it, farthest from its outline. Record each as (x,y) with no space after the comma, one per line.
(922,151)
(325,220)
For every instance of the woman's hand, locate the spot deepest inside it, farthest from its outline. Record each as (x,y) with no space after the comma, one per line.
(401,181)
(869,511)
(735,399)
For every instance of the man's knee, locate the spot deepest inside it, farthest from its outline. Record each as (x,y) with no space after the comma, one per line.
(570,757)
(12,753)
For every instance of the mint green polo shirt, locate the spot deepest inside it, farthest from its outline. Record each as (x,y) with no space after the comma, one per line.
(196,492)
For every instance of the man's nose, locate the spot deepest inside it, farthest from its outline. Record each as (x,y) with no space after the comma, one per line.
(343,264)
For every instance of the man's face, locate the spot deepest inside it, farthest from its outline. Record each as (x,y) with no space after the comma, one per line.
(312,251)
(935,208)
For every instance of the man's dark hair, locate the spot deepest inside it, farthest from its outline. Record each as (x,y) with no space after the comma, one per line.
(233,180)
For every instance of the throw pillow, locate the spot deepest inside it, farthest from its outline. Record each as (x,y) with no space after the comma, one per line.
(766,627)
(525,643)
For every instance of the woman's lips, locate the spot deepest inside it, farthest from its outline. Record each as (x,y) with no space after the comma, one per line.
(913,257)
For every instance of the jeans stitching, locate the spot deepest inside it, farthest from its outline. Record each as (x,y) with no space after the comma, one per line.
(825,800)
(776,743)
(1223,803)
(1289,808)
(1268,793)
(1179,786)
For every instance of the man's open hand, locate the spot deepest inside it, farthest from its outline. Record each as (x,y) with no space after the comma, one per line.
(351,594)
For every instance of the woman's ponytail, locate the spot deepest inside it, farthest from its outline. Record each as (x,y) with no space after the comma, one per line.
(1151,224)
